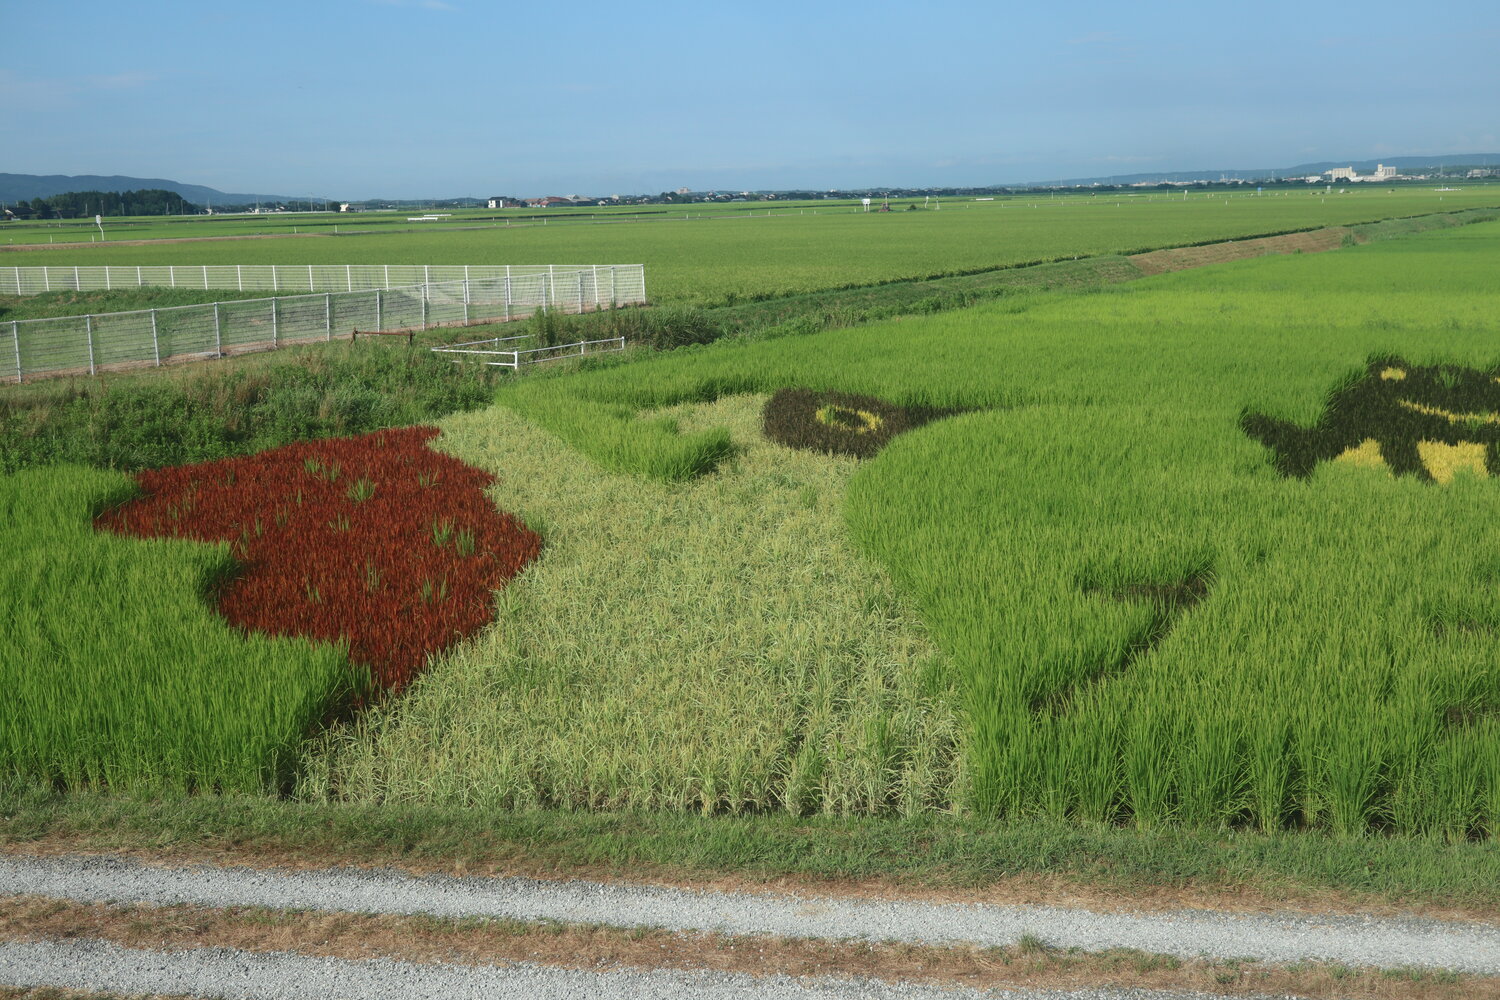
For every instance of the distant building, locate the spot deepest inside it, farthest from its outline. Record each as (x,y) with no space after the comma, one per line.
(1382,173)
(503,202)
(343,206)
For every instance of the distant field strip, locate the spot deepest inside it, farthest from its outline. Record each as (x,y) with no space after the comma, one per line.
(611,282)
(102,342)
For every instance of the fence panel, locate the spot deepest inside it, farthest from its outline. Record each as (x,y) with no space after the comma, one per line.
(308,278)
(87,344)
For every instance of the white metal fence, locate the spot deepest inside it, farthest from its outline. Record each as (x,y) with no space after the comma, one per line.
(488,351)
(618,282)
(91,343)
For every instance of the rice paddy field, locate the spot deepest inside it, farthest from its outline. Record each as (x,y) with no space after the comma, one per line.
(1141,619)
(1214,550)
(708,254)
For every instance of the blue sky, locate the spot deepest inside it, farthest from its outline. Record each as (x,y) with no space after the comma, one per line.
(440,98)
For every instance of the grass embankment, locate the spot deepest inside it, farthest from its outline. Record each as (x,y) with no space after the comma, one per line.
(1034,859)
(1052,542)
(167,418)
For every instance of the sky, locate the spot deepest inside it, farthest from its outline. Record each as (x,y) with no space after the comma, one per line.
(355,99)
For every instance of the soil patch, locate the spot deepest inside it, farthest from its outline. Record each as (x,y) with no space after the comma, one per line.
(1182,258)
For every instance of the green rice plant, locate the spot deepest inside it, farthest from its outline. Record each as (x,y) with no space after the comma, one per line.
(710,255)
(714,645)
(1333,669)
(118,673)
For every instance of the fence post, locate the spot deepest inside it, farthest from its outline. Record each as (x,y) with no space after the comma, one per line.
(387,276)
(218,333)
(596,287)
(205,277)
(425,290)
(551,283)
(275,277)
(18,280)
(328,315)
(76,286)
(379,312)
(239,276)
(348,278)
(172,273)
(580,291)
(614,296)
(507,293)
(273,323)
(310,287)
(155,344)
(138,282)
(426,274)
(15,334)
(88,326)
(466,295)
(108,286)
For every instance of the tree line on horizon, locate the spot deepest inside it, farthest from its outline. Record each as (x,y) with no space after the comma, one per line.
(85,204)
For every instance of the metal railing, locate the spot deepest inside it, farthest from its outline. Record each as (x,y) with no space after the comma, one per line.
(608,282)
(515,358)
(109,341)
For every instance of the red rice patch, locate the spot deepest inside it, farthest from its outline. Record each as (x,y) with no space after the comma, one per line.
(376,541)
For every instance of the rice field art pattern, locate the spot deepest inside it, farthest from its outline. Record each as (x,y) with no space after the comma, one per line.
(377,542)
(1432,422)
(839,423)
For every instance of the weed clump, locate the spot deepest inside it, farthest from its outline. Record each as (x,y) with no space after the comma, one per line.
(839,423)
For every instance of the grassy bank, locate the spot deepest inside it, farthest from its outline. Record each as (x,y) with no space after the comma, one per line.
(1050,857)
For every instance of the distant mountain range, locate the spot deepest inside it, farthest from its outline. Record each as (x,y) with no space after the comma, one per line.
(1401,163)
(24,187)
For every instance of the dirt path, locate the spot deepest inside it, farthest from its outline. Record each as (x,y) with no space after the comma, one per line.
(1182,258)
(358,917)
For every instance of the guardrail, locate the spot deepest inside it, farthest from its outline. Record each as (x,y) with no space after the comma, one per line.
(515,358)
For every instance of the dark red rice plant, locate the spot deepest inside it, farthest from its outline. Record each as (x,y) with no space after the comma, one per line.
(376,541)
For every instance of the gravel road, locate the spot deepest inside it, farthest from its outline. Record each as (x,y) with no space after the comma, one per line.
(224,972)
(1368,941)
